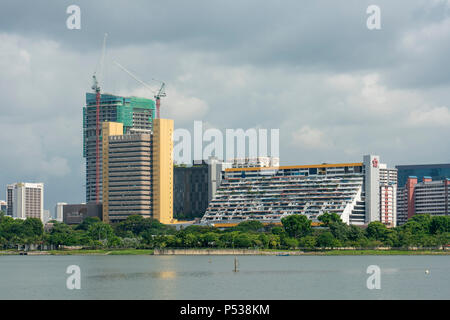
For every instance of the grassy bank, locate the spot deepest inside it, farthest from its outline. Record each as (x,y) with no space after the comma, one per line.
(102,252)
(367,252)
(319,252)
(84,252)
(377,252)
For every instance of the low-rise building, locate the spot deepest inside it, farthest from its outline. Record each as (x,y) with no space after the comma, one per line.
(76,213)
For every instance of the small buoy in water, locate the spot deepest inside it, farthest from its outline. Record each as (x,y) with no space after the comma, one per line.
(427,271)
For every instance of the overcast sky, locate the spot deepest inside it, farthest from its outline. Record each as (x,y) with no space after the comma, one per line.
(334,88)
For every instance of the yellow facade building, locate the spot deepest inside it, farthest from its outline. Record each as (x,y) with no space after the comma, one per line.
(137,172)
(162,144)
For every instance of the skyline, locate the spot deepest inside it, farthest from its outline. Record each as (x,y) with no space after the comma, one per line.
(335,89)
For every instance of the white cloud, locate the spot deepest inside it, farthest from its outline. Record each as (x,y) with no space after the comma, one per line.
(431,117)
(178,106)
(310,138)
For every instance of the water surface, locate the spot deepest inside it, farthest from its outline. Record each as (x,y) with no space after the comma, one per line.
(212,277)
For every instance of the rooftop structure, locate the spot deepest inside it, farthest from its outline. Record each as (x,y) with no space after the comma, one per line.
(258,162)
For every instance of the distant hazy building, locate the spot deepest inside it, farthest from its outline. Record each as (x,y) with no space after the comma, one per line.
(26,200)
(257,162)
(3,206)
(59,211)
(46,216)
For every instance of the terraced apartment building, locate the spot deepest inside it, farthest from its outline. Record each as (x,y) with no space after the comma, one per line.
(267,194)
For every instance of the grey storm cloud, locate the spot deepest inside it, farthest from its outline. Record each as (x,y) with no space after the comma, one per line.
(312,69)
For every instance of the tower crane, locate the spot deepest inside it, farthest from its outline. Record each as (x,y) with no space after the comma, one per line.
(161,93)
(158,94)
(96,88)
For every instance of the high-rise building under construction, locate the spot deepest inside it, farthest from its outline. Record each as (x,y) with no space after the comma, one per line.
(136,115)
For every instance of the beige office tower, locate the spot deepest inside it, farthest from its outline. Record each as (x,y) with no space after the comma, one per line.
(109,129)
(137,172)
(162,145)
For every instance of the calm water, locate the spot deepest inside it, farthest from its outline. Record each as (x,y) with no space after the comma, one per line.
(211,277)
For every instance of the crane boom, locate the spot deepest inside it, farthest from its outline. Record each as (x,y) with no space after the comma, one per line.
(134,77)
(157,94)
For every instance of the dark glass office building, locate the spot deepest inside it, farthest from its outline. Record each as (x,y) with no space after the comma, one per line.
(434,171)
(190,191)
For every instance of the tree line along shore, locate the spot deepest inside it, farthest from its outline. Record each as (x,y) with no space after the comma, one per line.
(138,235)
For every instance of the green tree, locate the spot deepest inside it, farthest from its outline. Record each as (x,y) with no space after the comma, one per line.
(326,239)
(296,225)
(62,234)
(355,233)
(277,230)
(190,240)
(377,231)
(308,242)
(210,239)
(250,225)
(242,241)
(86,223)
(440,224)
(291,243)
(100,231)
(328,218)
(33,227)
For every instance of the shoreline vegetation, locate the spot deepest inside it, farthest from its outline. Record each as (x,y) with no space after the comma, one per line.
(295,235)
(226,252)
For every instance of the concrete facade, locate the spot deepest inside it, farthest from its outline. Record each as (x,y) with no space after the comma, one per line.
(372,187)
(26,200)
